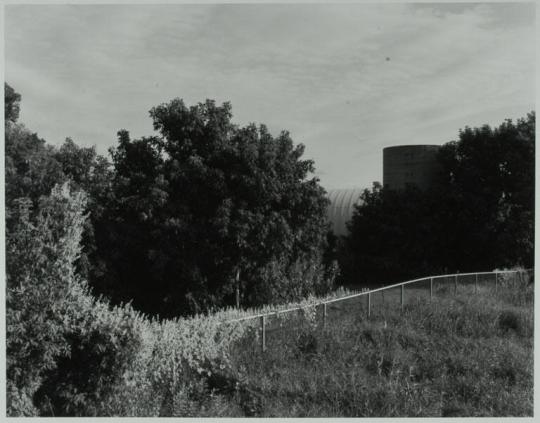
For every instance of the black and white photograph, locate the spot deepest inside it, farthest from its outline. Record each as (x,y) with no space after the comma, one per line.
(258,209)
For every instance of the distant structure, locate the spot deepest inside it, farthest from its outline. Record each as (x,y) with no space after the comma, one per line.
(409,165)
(341,208)
(402,165)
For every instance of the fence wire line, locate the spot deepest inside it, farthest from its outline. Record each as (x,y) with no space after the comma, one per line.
(372,291)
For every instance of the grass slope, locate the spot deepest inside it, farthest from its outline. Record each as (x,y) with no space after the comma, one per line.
(461,355)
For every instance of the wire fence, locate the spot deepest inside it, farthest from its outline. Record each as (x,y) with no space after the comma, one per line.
(374,303)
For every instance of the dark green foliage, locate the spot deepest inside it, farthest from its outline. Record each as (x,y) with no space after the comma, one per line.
(204,199)
(489,174)
(102,345)
(392,238)
(11,103)
(508,320)
(478,216)
(65,350)
(91,173)
(307,344)
(33,168)
(181,214)
(40,277)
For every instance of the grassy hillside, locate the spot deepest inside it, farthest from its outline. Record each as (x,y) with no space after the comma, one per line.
(463,355)
(459,355)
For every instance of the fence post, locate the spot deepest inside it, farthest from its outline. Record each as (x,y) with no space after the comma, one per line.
(237,279)
(402,296)
(369,304)
(496,280)
(324,315)
(476,283)
(263,333)
(430,289)
(455,284)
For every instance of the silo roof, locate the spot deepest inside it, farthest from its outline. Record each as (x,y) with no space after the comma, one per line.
(341,208)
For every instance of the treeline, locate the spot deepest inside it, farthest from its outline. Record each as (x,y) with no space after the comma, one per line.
(185,220)
(180,221)
(167,224)
(477,216)
(171,220)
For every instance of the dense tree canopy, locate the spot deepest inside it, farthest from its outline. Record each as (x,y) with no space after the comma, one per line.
(178,215)
(203,200)
(33,168)
(489,172)
(11,103)
(478,216)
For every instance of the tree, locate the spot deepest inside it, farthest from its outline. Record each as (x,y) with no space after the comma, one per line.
(66,350)
(391,237)
(33,168)
(205,198)
(40,253)
(89,172)
(490,173)
(478,216)
(11,103)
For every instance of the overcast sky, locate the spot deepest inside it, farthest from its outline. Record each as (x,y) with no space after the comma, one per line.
(345,80)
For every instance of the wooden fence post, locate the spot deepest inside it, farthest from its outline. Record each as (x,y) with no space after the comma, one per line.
(263,333)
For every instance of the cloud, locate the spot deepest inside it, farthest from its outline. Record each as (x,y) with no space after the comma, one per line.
(320,71)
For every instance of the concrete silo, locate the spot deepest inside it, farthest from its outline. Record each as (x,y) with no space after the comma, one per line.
(410,164)
(402,165)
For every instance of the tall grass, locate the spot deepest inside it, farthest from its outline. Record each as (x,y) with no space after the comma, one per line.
(463,355)
(458,356)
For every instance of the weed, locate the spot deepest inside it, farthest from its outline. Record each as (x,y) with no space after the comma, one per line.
(508,320)
(453,349)
(307,344)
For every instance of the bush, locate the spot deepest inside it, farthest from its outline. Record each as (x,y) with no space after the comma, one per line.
(508,320)
(65,350)
(103,342)
(40,252)
(307,343)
